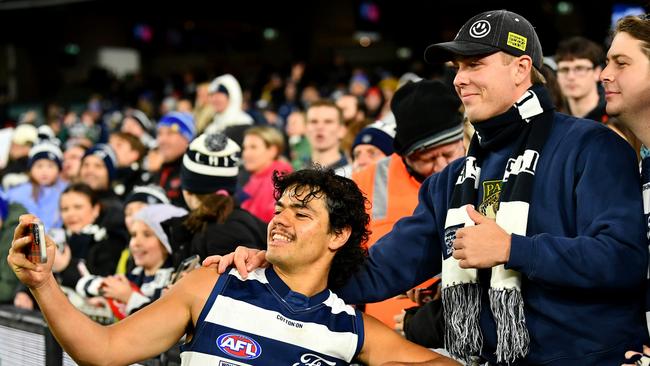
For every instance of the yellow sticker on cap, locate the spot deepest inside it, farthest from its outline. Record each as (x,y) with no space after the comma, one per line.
(517,41)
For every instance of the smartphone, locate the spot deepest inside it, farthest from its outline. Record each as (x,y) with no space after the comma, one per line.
(38,250)
(187,265)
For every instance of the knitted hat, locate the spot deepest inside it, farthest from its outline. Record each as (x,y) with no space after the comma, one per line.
(150,194)
(45,150)
(427,116)
(4,206)
(211,163)
(153,215)
(378,134)
(106,153)
(25,134)
(180,122)
(141,118)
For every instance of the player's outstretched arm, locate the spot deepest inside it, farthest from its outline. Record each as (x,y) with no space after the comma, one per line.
(145,334)
(383,346)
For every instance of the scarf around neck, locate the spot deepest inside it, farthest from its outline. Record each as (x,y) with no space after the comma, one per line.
(526,126)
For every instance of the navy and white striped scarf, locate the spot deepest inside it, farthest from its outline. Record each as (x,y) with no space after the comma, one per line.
(526,125)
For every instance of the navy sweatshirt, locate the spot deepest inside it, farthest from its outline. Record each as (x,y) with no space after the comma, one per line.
(583,261)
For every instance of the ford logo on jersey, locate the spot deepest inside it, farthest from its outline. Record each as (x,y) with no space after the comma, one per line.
(239,346)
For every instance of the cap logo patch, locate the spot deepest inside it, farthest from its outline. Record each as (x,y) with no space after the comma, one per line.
(479,29)
(517,41)
(366,139)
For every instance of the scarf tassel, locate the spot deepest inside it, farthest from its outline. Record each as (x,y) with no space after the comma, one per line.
(461,305)
(512,335)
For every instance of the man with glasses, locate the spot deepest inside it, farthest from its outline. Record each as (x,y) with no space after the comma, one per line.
(578,66)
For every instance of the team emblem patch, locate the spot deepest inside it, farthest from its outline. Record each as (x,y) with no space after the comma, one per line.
(450,237)
(480,29)
(239,346)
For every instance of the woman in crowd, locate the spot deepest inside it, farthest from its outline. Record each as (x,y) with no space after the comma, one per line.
(262,156)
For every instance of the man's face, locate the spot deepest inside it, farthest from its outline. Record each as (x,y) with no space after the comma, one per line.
(94,173)
(430,161)
(324,129)
(577,78)
(348,105)
(364,155)
(219,101)
(298,234)
(486,85)
(626,80)
(171,144)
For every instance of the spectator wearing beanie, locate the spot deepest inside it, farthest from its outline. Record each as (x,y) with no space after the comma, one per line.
(175,132)
(40,195)
(139,125)
(139,198)
(216,224)
(9,214)
(428,136)
(372,144)
(98,169)
(153,266)
(24,137)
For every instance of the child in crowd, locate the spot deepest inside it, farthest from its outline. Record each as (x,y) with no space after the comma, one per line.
(151,251)
(40,196)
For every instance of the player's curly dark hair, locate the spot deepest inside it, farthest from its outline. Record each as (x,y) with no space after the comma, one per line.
(347,208)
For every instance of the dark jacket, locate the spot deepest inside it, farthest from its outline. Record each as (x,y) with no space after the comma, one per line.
(99,246)
(169,178)
(583,261)
(240,228)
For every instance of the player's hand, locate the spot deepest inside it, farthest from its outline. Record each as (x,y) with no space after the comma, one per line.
(245,260)
(33,275)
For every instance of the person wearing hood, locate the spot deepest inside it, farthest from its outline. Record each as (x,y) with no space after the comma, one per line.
(226,99)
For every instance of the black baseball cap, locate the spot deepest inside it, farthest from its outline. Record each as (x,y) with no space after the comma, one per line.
(490,32)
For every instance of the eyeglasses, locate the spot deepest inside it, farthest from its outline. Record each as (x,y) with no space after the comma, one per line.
(577,70)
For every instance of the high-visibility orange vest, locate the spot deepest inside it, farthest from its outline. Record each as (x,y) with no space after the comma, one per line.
(393,194)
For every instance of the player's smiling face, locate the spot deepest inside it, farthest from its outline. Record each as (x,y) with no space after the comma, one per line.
(299,233)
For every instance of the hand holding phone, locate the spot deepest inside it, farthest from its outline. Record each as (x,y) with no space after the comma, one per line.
(37,252)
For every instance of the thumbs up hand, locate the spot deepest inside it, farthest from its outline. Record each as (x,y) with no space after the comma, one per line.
(484,245)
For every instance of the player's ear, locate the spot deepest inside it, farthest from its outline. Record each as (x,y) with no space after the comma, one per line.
(339,238)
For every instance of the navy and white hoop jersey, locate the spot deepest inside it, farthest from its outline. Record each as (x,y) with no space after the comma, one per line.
(260,321)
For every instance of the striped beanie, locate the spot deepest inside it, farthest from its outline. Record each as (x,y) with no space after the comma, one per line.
(211,163)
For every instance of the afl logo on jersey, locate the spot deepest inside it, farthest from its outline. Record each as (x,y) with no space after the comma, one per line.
(239,346)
